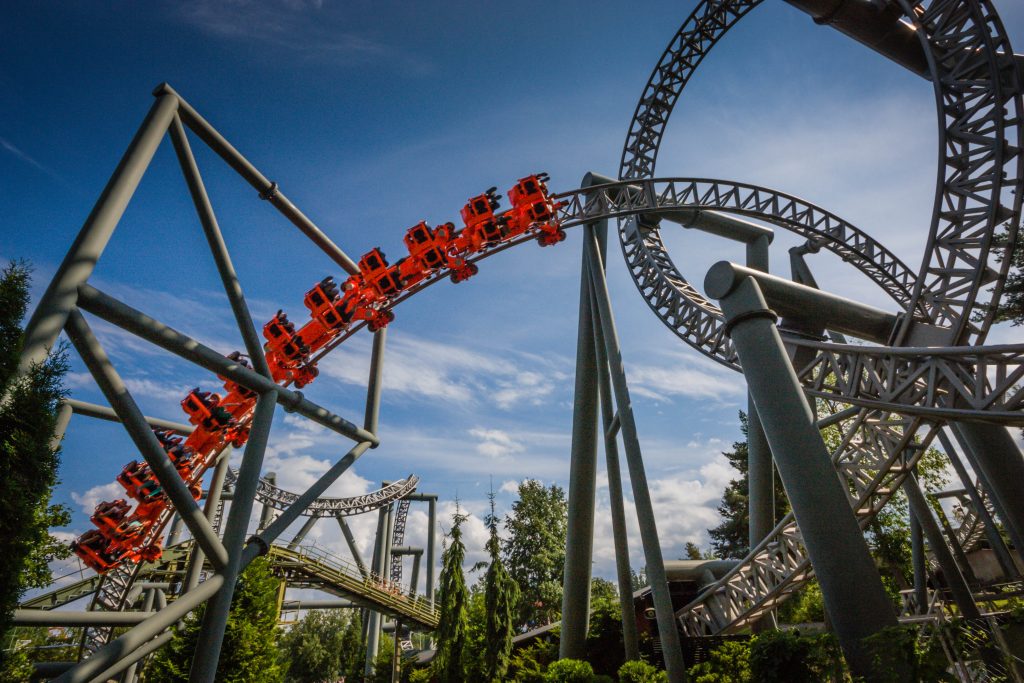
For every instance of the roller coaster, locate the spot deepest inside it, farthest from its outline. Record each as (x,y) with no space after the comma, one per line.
(888,382)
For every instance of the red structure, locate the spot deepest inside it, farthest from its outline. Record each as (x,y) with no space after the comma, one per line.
(124,534)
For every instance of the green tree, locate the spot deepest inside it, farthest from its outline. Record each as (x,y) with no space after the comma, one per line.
(639,671)
(730,539)
(727,663)
(534,551)
(1011,307)
(323,646)
(449,662)
(501,597)
(249,653)
(28,460)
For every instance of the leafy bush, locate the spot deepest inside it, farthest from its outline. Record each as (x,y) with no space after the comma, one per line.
(727,663)
(528,663)
(639,671)
(420,676)
(788,657)
(569,671)
(895,654)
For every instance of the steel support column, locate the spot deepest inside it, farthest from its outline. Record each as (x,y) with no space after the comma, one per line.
(219,249)
(992,535)
(667,628)
(380,564)
(950,571)
(59,299)
(267,510)
(431,547)
(213,499)
(301,536)
(352,547)
(130,673)
(579,539)
(835,544)
(920,564)
(105,413)
(126,648)
(620,537)
(211,634)
(142,435)
(998,459)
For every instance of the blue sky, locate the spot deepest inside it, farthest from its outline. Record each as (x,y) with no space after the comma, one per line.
(374,116)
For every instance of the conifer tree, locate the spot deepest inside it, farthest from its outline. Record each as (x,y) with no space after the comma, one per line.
(449,664)
(28,460)
(501,597)
(249,653)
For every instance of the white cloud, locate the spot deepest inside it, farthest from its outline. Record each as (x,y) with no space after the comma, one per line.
(495,443)
(88,500)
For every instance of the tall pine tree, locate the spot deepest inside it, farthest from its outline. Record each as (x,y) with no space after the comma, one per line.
(249,653)
(449,662)
(501,597)
(534,551)
(28,460)
(731,539)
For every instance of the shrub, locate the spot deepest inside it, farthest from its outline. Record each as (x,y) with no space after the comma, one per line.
(788,657)
(570,671)
(639,671)
(727,663)
(895,653)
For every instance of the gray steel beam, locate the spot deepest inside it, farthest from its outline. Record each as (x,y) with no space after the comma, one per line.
(431,547)
(301,536)
(267,189)
(155,332)
(219,248)
(174,530)
(721,225)
(352,547)
(831,534)
(261,542)
(211,633)
(998,459)
(214,495)
(919,563)
(380,564)
(62,617)
(667,629)
(142,435)
(128,648)
(579,538)
(992,535)
(130,673)
(788,298)
(836,418)
(267,510)
(59,299)
(874,24)
(414,575)
(60,425)
(139,653)
(950,571)
(105,413)
(954,546)
(620,536)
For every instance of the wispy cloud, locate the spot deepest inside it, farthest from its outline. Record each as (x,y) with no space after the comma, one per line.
(303,27)
(23,156)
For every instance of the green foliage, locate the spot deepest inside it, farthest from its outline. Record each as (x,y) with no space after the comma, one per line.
(727,663)
(501,597)
(639,671)
(895,654)
(534,552)
(807,606)
(449,665)
(605,648)
(28,461)
(324,646)
(569,671)
(789,657)
(249,653)
(1011,308)
(419,676)
(383,663)
(528,663)
(730,539)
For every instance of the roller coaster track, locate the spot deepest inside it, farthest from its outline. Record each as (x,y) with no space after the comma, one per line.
(301,567)
(112,589)
(978,95)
